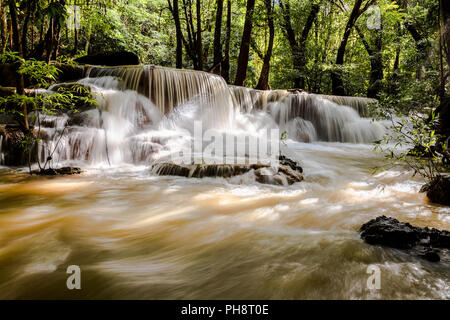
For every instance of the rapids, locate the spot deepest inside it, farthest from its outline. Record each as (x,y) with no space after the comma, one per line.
(141,236)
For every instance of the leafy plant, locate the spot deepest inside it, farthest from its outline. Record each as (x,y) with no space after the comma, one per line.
(63,98)
(413,141)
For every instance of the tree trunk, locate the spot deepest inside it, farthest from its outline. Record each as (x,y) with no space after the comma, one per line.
(30,8)
(444,108)
(298,48)
(20,84)
(336,75)
(446,29)
(217,35)
(4,26)
(199,36)
(174,8)
(241,72)
(226,62)
(263,83)
(49,40)
(56,41)
(376,63)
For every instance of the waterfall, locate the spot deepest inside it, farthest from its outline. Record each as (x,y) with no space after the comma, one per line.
(144,111)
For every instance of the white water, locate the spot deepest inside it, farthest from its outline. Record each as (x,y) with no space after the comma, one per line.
(130,127)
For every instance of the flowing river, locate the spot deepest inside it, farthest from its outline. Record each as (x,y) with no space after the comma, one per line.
(137,235)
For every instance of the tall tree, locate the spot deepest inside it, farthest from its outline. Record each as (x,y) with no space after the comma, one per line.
(30,7)
(199,35)
(217,38)
(173,7)
(241,72)
(336,74)
(4,26)
(263,83)
(193,44)
(444,108)
(298,45)
(376,62)
(225,68)
(20,83)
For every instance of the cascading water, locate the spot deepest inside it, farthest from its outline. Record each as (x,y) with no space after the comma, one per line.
(144,112)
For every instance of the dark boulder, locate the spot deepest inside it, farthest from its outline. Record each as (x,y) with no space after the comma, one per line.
(11,149)
(58,171)
(67,72)
(120,58)
(70,72)
(438,190)
(285,161)
(263,173)
(390,232)
(8,74)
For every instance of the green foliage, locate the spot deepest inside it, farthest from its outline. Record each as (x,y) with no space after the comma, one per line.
(413,141)
(42,73)
(38,72)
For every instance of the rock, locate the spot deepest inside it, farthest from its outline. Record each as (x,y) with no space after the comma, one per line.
(12,153)
(291,163)
(438,190)
(291,175)
(268,175)
(264,173)
(120,58)
(70,72)
(427,253)
(390,232)
(11,147)
(8,74)
(59,171)
(7,91)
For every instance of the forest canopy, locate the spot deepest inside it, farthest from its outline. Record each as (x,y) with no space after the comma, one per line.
(358,48)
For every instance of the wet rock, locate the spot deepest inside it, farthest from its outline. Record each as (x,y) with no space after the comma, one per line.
(120,58)
(70,72)
(390,232)
(80,119)
(291,175)
(427,253)
(438,190)
(291,163)
(268,175)
(58,171)
(11,150)
(282,175)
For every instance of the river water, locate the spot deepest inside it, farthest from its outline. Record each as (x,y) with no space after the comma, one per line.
(139,236)
(136,235)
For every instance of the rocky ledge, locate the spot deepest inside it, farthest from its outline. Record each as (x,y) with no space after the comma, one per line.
(390,232)
(59,171)
(287,173)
